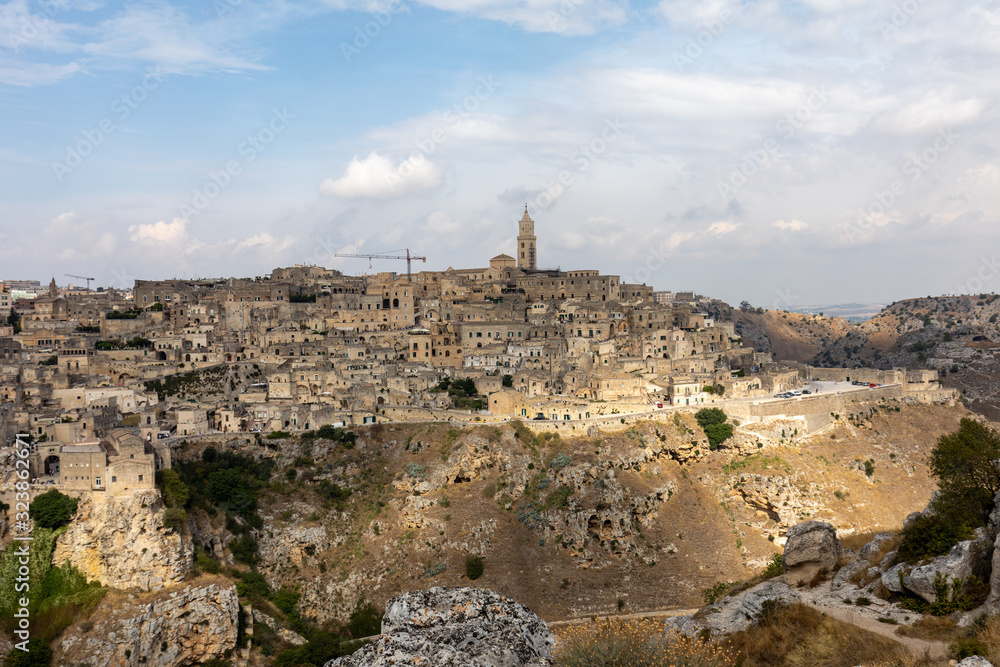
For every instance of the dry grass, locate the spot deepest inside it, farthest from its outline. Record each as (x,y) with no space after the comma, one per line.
(627,642)
(857,540)
(799,636)
(931,628)
(988,632)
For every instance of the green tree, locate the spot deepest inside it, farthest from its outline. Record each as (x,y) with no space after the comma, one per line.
(968,480)
(52,509)
(964,463)
(713,422)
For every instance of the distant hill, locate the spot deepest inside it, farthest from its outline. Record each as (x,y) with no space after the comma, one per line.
(854,312)
(957,335)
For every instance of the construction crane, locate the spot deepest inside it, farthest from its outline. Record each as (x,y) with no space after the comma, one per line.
(82,278)
(408,257)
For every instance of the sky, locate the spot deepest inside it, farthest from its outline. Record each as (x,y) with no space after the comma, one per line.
(783,153)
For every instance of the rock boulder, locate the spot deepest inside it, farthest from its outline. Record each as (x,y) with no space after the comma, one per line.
(735,613)
(812,547)
(456,627)
(956,565)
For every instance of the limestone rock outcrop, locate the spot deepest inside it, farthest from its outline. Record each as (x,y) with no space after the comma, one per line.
(456,627)
(956,565)
(812,548)
(121,542)
(734,613)
(183,627)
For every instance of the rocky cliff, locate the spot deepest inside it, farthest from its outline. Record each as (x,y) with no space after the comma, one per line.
(183,627)
(456,627)
(121,542)
(646,514)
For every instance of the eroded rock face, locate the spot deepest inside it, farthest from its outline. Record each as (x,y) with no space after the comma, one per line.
(956,565)
(121,542)
(184,627)
(456,627)
(735,613)
(812,547)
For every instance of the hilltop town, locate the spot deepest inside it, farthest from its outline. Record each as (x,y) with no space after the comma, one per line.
(89,374)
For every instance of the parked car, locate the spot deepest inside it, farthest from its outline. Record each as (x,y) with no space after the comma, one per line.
(659,405)
(806,392)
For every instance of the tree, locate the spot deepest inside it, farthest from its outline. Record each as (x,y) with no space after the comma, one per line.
(964,463)
(52,509)
(713,422)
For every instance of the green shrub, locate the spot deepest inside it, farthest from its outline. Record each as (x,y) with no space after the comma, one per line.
(52,509)
(205,562)
(285,600)
(966,647)
(473,567)
(775,568)
(929,536)
(39,654)
(253,583)
(245,549)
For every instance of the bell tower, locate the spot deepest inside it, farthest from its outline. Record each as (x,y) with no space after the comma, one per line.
(526,255)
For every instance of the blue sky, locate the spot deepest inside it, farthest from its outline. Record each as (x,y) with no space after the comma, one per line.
(786,153)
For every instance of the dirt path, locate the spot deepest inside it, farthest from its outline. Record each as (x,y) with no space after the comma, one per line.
(918,647)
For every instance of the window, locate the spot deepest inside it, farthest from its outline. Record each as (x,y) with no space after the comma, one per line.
(140,478)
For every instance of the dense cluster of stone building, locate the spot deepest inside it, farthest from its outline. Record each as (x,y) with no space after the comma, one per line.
(308,346)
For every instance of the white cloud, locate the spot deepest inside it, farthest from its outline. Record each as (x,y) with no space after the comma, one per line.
(173,233)
(265,242)
(567,17)
(935,110)
(376,177)
(793,225)
(720,228)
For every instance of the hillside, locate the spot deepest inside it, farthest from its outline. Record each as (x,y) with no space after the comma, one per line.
(787,336)
(958,336)
(569,527)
